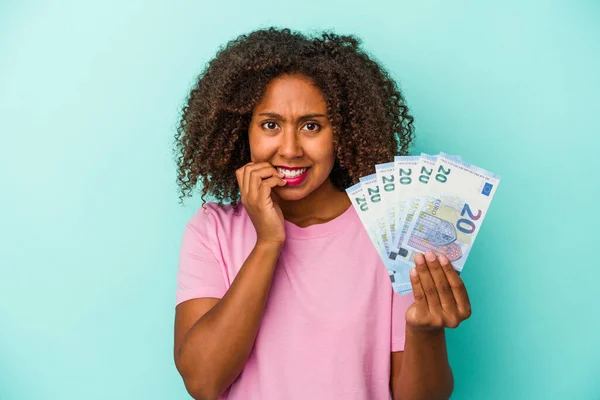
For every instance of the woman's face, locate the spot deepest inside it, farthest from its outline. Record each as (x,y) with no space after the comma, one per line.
(290,130)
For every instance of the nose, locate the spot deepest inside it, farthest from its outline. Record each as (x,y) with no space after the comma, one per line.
(290,145)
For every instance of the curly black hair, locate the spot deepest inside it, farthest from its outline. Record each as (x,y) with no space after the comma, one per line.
(367,111)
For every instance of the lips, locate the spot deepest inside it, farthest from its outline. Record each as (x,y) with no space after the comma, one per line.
(294,176)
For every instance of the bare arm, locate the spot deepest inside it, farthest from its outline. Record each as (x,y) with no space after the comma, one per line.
(422,371)
(426,373)
(213,338)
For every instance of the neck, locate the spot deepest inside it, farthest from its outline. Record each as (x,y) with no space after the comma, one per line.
(324,204)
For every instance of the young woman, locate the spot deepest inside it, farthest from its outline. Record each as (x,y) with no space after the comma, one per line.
(281,294)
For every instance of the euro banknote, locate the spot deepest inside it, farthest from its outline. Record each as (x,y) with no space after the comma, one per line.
(398,277)
(418,203)
(451,210)
(411,197)
(359,202)
(377,210)
(388,185)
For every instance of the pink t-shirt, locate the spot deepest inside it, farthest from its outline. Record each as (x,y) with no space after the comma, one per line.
(331,319)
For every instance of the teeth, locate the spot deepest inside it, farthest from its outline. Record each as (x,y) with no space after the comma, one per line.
(291,173)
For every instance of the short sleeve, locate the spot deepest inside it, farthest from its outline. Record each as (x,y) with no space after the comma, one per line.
(399,306)
(200,274)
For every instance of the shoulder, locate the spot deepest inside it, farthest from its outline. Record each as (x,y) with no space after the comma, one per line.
(227,232)
(215,212)
(212,217)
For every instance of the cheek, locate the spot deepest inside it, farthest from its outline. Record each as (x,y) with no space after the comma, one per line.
(324,154)
(258,148)
(326,150)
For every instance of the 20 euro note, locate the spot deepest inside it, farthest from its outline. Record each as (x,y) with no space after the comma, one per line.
(414,175)
(450,214)
(387,182)
(399,279)
(376,211)
(400,282)
(359,202)
(377,220)
(405,170)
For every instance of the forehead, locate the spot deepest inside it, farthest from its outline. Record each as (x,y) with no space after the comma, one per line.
(292,94)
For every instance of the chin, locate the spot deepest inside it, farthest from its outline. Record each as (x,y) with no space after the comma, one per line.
(291,193)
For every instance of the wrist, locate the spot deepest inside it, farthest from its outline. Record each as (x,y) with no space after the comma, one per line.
(269,244)
(424,333)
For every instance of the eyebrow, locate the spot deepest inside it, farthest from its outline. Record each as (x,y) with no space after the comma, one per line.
(279,117)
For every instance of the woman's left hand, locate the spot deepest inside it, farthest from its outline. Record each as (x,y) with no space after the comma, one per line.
(441,299)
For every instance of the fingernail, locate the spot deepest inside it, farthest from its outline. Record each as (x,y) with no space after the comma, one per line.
(419,258)
(413,272)
(443,260)
(430,256)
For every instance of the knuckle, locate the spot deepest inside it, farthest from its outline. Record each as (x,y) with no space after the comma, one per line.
(458,285)
(419,296)
(444,288)
(466,312)
(448,267)
(430,290)
(422,268)
(452,322)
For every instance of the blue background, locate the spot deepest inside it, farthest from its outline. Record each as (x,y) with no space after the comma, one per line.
(90,225)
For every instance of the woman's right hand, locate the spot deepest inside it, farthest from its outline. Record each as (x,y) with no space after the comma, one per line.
(256,181)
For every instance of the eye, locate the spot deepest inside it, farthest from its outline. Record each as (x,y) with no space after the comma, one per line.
(311,127)
(269,125)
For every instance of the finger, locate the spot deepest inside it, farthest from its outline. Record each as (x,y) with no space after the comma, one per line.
(441,283)
(239,175)
(418,293)
(265,171)
(257,177)
(463,304)
(267,185)
(272,182)
(248,171)
(245,179)
(433,299)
